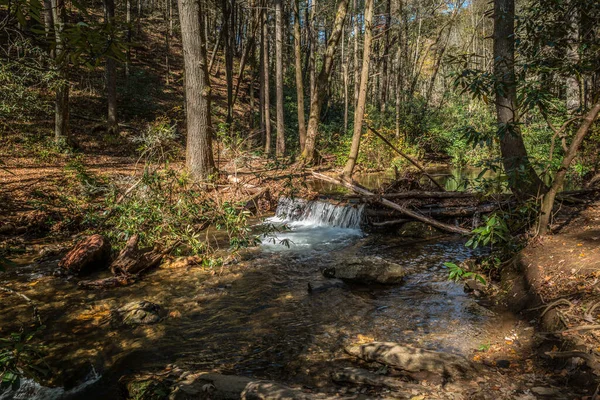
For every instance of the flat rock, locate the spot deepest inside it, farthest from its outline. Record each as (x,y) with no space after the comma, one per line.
(414,359)
(207,385)
(365,270)
(90,254)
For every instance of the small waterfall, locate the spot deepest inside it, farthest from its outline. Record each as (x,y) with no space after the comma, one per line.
(318,213)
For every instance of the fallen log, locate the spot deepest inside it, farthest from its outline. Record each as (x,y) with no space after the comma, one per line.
(413,214)
(413,359)
(442,212)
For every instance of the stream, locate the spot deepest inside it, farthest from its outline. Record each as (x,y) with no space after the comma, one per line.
(254,317)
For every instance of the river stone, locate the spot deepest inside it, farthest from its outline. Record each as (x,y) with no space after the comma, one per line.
(365,270)
(140,313)
(88,255)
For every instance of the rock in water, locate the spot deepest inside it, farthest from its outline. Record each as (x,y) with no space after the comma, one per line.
(140,313)
(88,255)
(414,359)
(366,270)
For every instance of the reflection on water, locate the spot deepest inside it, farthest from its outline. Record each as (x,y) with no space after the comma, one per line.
(451,178)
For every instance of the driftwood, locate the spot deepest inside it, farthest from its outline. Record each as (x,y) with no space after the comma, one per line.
(406,156)
(405,211)
(131,260)
(413,359)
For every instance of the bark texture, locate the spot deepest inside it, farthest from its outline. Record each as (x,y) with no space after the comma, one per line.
(523,180)
(317,97)
(199,156)
(359,113)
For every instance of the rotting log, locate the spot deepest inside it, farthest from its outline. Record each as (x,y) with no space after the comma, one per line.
(405,211)
(414,359)
(128,265)
(131,260)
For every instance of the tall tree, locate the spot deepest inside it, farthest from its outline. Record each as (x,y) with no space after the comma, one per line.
(61,104)
(265,82)
(359,113)
(523,179)
(280,143)
(199,156)
(111,70)
(322,84)
(299,82)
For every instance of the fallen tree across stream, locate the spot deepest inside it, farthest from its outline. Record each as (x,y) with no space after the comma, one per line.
(403,210)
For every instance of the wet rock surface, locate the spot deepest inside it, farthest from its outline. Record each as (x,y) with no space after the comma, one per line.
(139,313)
(365,270)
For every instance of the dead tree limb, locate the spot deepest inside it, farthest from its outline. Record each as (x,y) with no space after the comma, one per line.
(419,217)
(409,158)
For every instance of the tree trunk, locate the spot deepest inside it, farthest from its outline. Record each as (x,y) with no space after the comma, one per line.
(111,71)
(314,40)
(199,156)
(356,54)
(265,72)
(226,28)
(559,178)
(280,143)
(61,106)
(386,52)
(359,113)
(523,180)
(299,82)
(128,38)
(316,101)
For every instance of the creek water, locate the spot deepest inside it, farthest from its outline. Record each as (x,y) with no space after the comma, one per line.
(254,317)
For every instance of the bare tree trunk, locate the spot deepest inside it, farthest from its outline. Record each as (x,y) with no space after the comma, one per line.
(280,143)
(226,26)
(265,71)
(111,70)
(314,40)
(345,84)
(523,180)
(61,108)
(128,38)
(559,178)
(199,156)
(386,54)
(299,82)
(139,18)
(356,55)
(362,93)
(316,100)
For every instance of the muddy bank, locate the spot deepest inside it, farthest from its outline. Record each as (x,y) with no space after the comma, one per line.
(555,282)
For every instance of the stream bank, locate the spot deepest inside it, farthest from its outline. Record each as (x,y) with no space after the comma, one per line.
(257,318)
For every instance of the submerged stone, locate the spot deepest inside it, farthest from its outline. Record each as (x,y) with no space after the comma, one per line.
(140,313)
(365,270)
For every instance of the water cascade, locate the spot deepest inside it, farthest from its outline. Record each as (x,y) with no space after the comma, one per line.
(318,213)
(313,225)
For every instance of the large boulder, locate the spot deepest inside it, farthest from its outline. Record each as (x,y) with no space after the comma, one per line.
(365,270)
(90,254)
